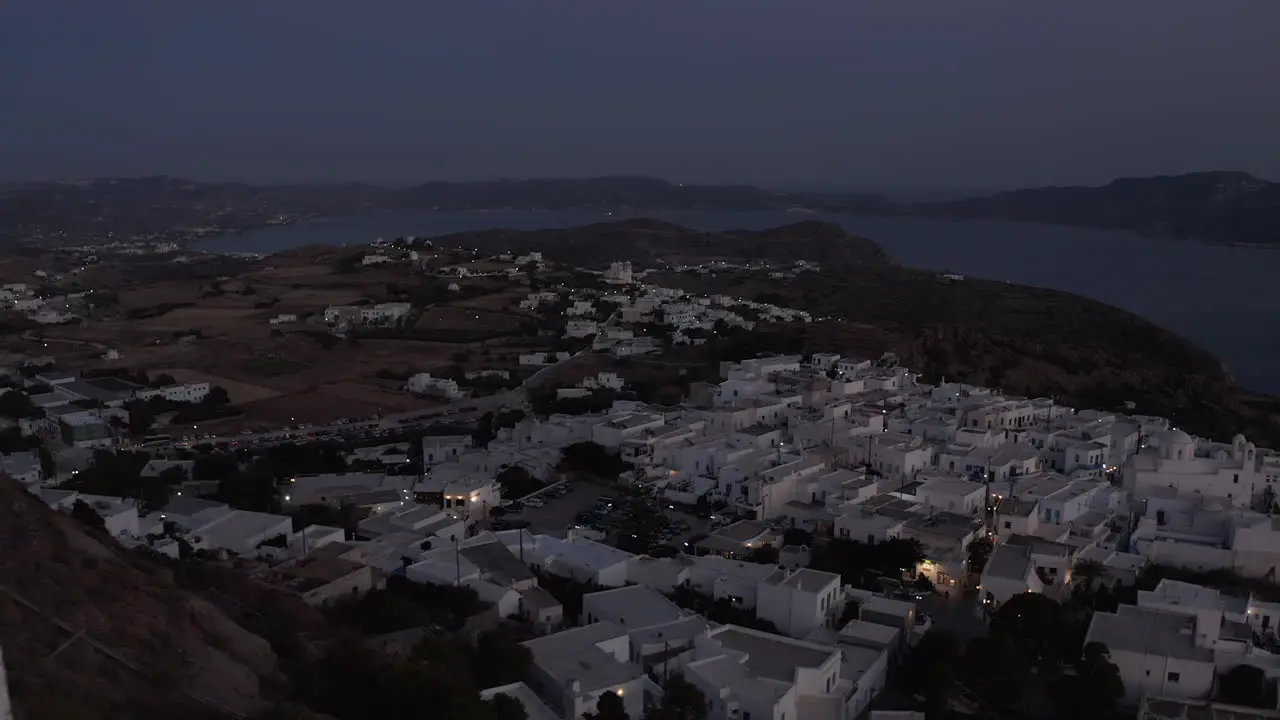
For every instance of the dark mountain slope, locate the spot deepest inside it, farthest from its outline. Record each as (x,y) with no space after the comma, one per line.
(1214,206)
(143,648)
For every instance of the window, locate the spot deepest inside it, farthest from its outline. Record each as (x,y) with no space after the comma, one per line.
(1173,677)
(1007,525)
(1235,478)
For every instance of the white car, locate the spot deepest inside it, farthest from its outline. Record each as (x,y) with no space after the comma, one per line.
(534,502)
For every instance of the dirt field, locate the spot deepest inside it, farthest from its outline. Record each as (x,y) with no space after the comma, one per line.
(506,300)
(461,318)
(330,402)
(241,393)
(211,321)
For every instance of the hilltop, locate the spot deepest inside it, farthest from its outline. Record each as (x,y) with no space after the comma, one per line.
(654,242)
(144,647)
(1230,207)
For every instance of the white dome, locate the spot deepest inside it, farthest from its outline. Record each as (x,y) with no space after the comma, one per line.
(1178,437)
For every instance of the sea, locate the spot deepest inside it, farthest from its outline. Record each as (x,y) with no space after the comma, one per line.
(1224,298)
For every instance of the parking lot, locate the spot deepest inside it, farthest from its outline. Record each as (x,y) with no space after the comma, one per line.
(587,505)
(557,515)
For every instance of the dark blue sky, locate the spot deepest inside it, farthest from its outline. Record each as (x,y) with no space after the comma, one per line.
(852,93)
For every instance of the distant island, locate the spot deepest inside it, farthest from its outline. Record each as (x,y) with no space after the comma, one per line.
(1220,207)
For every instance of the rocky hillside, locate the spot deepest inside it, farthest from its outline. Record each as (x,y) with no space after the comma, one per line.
(654,242)
(90,631)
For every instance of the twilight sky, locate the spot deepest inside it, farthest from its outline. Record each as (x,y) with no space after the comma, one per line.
(955,94)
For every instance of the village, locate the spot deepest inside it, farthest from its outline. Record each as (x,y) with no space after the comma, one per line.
(787,540)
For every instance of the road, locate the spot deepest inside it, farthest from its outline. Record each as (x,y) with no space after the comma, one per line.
(31,336)
(465,411)
(460,411)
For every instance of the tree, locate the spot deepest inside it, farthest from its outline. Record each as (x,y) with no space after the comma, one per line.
(1244,685)
(175,475)
(797,536)
(47,464)
(140,419)
(500,659)
(931,669)
(681,700)
(608,707)
(979,552)
(1086,572)
(163,380)
(518,482)
(15,404)
(995,671)
(856,562)
(1038,628)
(84,513)
(218,395)
(354,683)
(1096,688)
(506,707)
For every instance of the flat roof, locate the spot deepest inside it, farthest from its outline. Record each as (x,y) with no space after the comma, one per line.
(742,531)
(237,525)
(188,506)
(112,384)
(575,655)
(539,599)
(314,571)
(1014,507)
(90,390)
(495,559)
(637,606)
(958,488)
(773,656)
(811,581)
(1148,632)
(862,632)
(1011,562)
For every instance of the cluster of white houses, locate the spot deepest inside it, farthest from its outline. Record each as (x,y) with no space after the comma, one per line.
(79,410)
(680,312)
(22,297)
(843,448)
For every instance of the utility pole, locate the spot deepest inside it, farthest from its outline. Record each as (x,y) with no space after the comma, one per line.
(457,560)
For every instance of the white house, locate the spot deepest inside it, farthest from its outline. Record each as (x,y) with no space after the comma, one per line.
(1155,651)
(1010,571)
(573,668)
(183,392)
(385,313)
(424,384)
(797,601)
(747,673)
